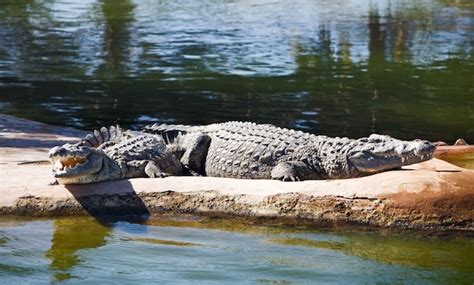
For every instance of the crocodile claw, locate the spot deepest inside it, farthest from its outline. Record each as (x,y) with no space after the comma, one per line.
(287,178)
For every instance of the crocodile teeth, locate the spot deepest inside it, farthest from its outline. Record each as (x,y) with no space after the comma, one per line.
(67,163)
(58,165)
(72,162)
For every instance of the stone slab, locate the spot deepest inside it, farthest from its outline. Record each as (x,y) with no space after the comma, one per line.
(432,195)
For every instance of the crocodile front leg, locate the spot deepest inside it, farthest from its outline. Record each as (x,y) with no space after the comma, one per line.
(194,158)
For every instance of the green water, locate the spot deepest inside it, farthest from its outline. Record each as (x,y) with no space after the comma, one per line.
(218,251)
(341,68)
(465,160)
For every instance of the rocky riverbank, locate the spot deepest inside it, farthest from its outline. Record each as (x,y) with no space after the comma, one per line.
(433,195)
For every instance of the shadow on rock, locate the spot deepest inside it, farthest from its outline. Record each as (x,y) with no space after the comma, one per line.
(109,198)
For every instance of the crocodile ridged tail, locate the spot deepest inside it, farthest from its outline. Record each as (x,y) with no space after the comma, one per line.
(168,132)
(98,137)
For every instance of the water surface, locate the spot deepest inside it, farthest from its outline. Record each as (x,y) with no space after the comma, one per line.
(216,251)
(341,68)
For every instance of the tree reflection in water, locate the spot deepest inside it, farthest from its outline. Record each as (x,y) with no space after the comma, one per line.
(70,236)
(343,69)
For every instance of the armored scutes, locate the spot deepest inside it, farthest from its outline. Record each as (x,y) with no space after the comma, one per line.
(249,150)
(111,154)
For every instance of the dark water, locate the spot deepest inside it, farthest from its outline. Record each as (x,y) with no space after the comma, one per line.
(341,68)
(213,251)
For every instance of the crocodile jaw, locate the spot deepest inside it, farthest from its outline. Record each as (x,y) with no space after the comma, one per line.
(73,165)
(389,154)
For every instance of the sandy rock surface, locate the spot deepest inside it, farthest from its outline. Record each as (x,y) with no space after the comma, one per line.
(432,195)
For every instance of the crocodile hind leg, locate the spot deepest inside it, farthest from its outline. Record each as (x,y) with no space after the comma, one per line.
(294,171)
(194,157)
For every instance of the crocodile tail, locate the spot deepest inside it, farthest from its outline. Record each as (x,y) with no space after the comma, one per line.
(98,137)
(169,132)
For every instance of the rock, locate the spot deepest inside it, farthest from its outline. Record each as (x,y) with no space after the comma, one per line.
(460,141)
(440,143)
(433,195)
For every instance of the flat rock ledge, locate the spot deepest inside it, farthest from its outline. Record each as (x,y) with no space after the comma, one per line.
(433,195)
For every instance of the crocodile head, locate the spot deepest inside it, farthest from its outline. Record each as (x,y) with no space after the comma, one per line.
(378,153)
(77,164)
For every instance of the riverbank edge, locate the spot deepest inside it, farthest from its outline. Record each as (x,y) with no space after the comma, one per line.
(434,195)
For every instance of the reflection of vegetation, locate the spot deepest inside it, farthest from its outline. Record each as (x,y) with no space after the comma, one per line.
(448,257)
(390,89)
(215,223)
(376,75)
(160,241)
(274,282)
(452,254)
(117,16)
(464,4)
(70,236)
(12,221)
(14,270)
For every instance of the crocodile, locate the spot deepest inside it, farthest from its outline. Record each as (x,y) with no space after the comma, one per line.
(263,151)
(111,154)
